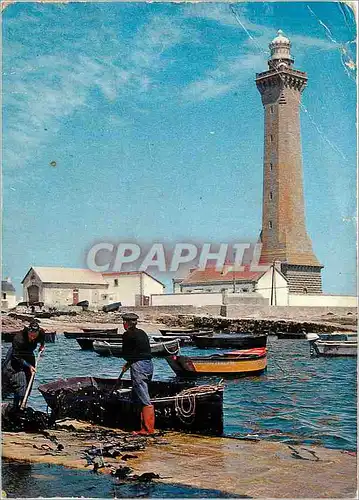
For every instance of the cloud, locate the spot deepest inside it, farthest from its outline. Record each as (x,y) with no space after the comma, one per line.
(258,36)
(227,76)
(40,91)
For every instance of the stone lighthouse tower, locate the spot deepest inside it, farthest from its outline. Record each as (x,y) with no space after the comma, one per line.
(284,235)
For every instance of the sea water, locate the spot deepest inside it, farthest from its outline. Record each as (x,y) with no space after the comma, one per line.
(297,399)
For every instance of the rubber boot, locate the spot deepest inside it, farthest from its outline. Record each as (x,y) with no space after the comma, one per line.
(147,421)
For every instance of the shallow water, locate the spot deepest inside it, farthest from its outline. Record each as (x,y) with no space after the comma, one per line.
(24,480)
(298,399)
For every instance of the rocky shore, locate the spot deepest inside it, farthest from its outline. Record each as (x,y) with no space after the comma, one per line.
(254,323)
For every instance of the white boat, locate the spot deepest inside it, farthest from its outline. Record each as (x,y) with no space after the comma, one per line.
(339,336)
(158,347)
(319,347)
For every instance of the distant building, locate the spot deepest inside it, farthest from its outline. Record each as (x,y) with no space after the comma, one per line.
(8,295)
(271,284)
(60,286)
(131,288)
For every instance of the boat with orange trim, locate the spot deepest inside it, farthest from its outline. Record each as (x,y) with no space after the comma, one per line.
(246,362)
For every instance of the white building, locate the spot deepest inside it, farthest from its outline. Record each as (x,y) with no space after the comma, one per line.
(212,287)
(131,288)
(59,286)
(270,284)
(8,295)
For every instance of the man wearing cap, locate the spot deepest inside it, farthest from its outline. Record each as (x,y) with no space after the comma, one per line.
(19,363)
(136,351)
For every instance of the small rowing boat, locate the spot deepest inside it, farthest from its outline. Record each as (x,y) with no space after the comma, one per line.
(158,347)
(179,405)
(290,335)
(240,363)
(86,343)
(331,348)
(100,330)
(178,331)
(100,334)
(231,341)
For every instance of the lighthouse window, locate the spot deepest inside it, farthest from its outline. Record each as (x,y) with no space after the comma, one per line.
(271,109)
(271,138)
(271,166)
(270,195)
(270,224)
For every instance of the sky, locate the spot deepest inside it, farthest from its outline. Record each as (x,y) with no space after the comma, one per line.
(142,122)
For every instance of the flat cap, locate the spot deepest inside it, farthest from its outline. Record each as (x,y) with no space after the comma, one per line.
(130,317)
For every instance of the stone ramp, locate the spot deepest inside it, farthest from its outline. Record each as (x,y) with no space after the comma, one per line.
(258,469)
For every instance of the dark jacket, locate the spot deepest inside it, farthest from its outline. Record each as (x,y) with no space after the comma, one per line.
(23,350)
(136,345)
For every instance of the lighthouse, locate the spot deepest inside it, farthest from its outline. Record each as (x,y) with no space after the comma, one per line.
(284,235)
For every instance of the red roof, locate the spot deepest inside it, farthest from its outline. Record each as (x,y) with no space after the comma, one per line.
(210,274)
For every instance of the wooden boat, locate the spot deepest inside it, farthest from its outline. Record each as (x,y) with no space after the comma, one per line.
(179,405)
(246,362)
(186,336)
(331,348)
(290,335)
(230,341)
(158,347)
(100,330)
(339,336)
(50,337)
(178,331)
(112,307)
(86,343)
(99,334)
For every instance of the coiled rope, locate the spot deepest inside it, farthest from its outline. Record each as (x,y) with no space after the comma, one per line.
(185,402)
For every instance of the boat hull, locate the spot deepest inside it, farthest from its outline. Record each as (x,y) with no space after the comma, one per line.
(178,331)
(218,365)
(230,341)
(86,343)
(176,408)
(157,348)
(101,334)
(333,349)
(100,330)
(291,335)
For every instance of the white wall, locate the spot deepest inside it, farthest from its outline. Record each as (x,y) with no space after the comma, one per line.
(10,301)
(151,286)
(61,296)
(128,287)
(322,300)
(280,288)
(179,299)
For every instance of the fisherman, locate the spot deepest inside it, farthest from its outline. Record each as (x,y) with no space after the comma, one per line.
(19,363)
(136,351)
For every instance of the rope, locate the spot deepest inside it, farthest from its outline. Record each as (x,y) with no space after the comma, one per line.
(176,348)
(188,415)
